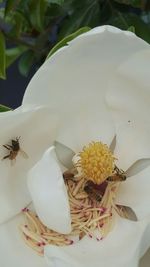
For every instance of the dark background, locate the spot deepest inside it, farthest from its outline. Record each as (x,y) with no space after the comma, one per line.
(12,89)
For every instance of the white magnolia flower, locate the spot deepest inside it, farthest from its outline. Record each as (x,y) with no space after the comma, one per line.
(98,86)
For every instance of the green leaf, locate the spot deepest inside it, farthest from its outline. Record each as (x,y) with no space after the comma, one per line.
(25,62)
(87,15)
(58,2)
(131,29)
(4,108)
(2,57)
(37,14)
(18,21)
(10,5)
(67,39)
(13,53)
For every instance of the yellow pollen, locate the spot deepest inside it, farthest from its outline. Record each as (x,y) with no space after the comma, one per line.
(96,162)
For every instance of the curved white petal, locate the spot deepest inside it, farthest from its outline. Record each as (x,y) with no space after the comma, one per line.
(129,101)
(36,128)
(13,251)
(48,192)
(133,142)
(80,74)
(135,193)
(122,247)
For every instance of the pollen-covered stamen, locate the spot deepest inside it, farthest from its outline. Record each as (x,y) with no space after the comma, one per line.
(96,162)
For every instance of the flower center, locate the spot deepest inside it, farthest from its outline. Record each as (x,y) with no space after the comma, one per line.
(96,162)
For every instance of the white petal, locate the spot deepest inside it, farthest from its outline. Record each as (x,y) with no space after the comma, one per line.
(36,128)
(80,74)
(13,251)
(133,142)
(121,248)
(64,155)
(49,193)
(128,99)
(135,193)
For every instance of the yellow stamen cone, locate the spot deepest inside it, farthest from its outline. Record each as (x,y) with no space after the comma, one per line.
(97,162)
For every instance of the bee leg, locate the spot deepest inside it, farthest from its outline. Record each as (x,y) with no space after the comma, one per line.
(7,147)
(6,157)
(99,198)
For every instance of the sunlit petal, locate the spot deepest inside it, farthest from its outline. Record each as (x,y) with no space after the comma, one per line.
(84,69)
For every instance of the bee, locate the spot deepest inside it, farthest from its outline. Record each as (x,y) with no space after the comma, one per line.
(14,149)
(68,175)
(119,175)
(92,192)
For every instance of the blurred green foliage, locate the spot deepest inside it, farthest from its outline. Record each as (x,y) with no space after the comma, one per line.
(30,29)
(4,108)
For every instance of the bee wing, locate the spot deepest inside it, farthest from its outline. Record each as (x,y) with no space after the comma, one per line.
(126,212)
(113,144)
(137,167)
(24,154)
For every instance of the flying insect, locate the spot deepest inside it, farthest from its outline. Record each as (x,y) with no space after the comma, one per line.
(14,149)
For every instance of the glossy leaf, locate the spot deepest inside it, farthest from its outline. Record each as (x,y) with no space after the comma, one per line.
(137,167)
(4,108)
(13,53)
(18,23)
(37,14)
(67,39)
(64,154)
(25,62)
(2,57)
